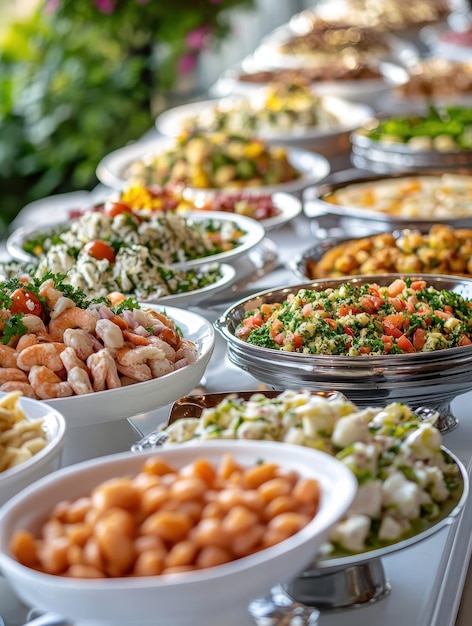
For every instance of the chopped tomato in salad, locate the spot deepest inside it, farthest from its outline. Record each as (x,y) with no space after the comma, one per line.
(404,317)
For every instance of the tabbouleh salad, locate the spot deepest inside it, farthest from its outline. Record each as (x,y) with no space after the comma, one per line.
(404,317)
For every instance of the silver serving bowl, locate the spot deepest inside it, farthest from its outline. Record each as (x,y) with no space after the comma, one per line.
(433,379)
(305,264)
(384,157)
(368,219)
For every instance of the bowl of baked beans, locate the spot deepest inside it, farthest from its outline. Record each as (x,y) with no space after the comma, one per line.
(188,530)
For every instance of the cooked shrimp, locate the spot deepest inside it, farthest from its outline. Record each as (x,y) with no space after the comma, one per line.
(155,315)
(47,354)
(79,380)
(18,385)
(170,336)
(160,367)
(135,338)
(70,360)
(8,374)
(61,305)
(25,341)
(164,346)
(138,373)
(72,318)
(46,384)
(48,291)
(103,370)
(110,334)
(139,354)
(33,323)
(80,340)
(187,350)
(116,297)
(7,356)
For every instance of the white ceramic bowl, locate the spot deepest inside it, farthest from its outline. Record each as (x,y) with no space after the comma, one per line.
(115,404)
(112,169)
(350,115)
(217,595)
(47,460)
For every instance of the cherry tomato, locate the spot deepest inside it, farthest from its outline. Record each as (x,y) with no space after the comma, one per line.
(100,250)
(26,302)
(112,209)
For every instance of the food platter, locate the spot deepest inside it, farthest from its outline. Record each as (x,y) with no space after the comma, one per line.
(112,168)
(268,55)
(349,115)
(237,80)
(124,402)
(432,378)
(378,198)
(432,138)
(327,582)
(401,250)
(251,233)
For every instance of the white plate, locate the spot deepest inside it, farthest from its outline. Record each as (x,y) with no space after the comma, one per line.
(117,404)
(254,233)
(359,90)
(112,168)
(197,296)
(268,56)
(57,208)
(350,115)
(289,206)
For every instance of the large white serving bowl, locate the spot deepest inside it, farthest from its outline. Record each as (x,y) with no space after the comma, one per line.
(171,123)
(47,460)
(123,402)
(214,596)
(111,170)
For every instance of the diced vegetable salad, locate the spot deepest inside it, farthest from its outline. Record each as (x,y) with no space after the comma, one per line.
(406,316)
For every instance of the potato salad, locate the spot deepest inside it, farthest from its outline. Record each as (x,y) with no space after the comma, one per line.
(404,477)
(279,109)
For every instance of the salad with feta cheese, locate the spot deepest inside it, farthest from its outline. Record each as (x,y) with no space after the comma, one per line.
(406,479)
(170,238)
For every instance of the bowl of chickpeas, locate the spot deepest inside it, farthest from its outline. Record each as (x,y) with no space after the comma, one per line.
(186,530)
(32,436)
(391,337)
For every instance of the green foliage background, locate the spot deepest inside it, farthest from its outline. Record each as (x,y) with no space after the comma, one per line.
(77,84)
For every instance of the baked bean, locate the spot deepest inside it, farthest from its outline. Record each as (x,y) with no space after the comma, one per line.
(117,492)
(182,553)
(167,521)
(210,556)
(238,520)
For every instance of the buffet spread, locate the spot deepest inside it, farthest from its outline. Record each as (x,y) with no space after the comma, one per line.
(262,317)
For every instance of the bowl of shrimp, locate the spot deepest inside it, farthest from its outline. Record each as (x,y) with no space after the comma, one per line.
(374,338)
(248,549)
(32,435)
(93,361)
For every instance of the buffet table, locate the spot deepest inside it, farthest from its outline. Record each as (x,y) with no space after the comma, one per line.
(429,579)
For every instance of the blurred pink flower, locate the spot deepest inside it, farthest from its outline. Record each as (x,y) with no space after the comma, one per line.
(186,64)
(51,6)
(105,6)
(196,39)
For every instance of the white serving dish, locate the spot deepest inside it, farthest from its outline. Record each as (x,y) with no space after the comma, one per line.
(111,170)
(217,595)
(254,233)
(351,115)
(118,404)
(47,460)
